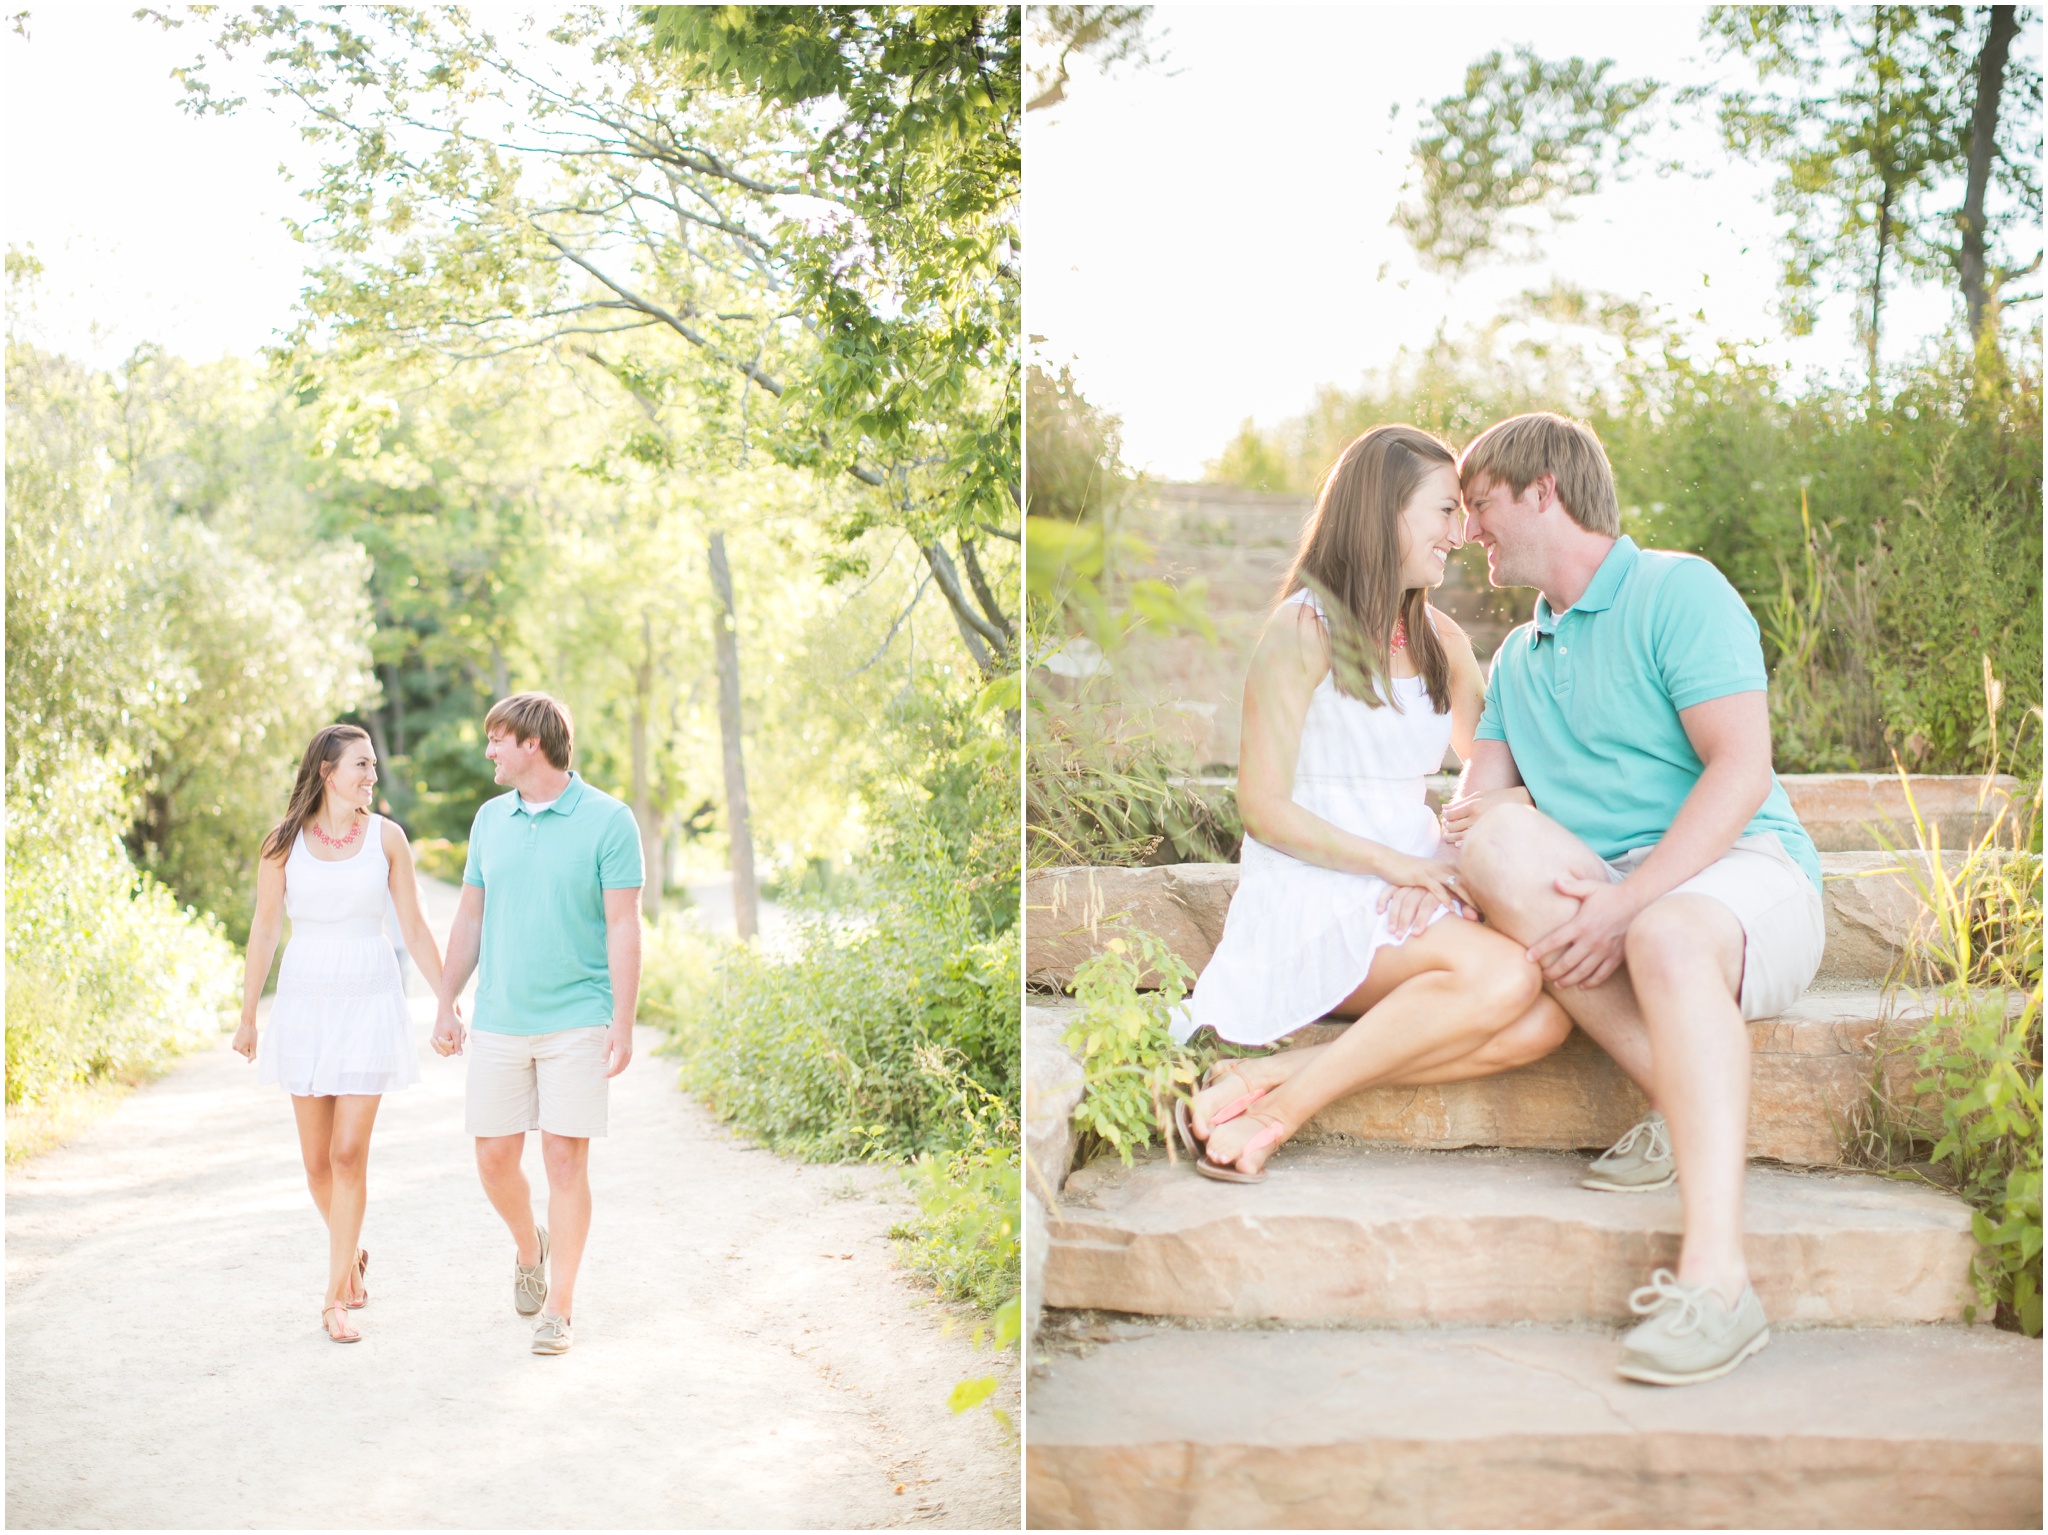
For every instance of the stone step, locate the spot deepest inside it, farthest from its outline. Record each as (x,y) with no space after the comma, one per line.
(1071,911)
(1134,1426)
(1391,1235)
(1810,1074)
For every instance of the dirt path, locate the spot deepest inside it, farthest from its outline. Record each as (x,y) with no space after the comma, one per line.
(747,1354)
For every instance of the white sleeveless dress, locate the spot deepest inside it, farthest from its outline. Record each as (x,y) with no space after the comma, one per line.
(1299,939)
(339,1023)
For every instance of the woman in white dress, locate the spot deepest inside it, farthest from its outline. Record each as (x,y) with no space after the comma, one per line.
(1347,903)
(340,1033)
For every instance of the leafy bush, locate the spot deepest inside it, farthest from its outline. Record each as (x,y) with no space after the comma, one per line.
(107,977)
(1104,791)
(1133,1067)
(841,1043)
(886,1027)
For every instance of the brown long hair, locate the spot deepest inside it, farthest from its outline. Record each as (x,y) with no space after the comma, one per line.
(310,787)
(1350,559)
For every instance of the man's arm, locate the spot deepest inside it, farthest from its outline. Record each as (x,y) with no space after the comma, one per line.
(1732,735)
(465,938)
(1490,778)
(622,957)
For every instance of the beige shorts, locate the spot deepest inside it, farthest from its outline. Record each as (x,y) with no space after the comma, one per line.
(553,1082)
(1784,924)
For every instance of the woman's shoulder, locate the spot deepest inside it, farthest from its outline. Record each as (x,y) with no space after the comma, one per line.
(1294,638)
(391,834)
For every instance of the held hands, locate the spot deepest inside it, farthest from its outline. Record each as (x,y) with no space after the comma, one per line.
(1588,949)
(1416,889)
(448,1032)
(244,1042)
(1461,815)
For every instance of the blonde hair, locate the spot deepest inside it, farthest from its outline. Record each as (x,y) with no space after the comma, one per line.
(1350,560)
(535,717)
(1522,449)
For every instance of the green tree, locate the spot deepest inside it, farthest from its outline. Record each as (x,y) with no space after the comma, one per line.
(815,206)
(1905,136)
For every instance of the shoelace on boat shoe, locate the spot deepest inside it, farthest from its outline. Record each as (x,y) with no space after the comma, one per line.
(1660,1143)
(1663,1292)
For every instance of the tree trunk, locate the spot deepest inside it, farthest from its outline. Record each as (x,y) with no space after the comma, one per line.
(501,675)
(644,814)
(1983,137)
(746,906)
(1884,240)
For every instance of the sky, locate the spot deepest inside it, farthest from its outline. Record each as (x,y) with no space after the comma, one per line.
(1208,239)
(152,226)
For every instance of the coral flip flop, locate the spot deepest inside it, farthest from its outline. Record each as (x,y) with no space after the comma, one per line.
(1185,1124)
(1225,1172)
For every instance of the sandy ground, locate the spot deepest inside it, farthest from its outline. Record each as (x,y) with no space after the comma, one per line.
(747,1354)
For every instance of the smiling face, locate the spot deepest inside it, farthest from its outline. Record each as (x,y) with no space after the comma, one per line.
(1505,526)
(513,761)
(352,780)
(1430,528)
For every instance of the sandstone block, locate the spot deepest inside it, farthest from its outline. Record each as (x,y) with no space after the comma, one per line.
(1034,1264)
(1849,812)
(1071,912)
(1386,1235)
(1810,1072)
(1053,1084)
(1906,1428)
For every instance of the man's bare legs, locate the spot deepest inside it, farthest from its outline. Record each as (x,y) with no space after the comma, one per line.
(334,1143)
(1669,1017)
(567,1159)
(497,1164)
(1437,1000)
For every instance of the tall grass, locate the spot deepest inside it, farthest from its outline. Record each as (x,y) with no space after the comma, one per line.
(1958,1100)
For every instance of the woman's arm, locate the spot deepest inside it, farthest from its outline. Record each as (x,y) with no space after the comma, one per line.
(265,928)
(1468,684)
(405,896)
(1291,659)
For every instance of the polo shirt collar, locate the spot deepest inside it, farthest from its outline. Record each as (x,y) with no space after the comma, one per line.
(562,803)
(1599,594)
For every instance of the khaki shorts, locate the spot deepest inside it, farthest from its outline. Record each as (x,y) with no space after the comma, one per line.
(1784,924)
(553,1082)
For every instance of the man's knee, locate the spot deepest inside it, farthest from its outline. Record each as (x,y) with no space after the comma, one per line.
(498,1155)
(565,1157)
(1501,858)
(1684,941)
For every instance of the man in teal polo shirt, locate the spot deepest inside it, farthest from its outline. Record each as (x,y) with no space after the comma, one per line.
(1620,816)
(551,895)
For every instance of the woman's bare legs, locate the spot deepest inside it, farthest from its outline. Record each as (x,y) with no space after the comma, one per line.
(1456,1001)
(1533,1035)
(334,1142)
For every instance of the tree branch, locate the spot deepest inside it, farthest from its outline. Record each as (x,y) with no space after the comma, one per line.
(983,594)
(973,627)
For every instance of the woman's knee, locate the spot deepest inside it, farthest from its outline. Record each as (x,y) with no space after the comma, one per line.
(349,1158)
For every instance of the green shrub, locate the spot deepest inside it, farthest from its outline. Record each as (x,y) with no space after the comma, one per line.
(1133,1067)
(107,977)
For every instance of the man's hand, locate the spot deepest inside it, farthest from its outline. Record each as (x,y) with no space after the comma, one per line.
(447,1038)
(1461,815)
(1587,949)
(618,1047)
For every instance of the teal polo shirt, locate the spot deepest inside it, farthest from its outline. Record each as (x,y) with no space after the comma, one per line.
(544,877)
(1588,699)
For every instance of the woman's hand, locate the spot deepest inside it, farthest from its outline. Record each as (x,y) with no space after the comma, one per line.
(1416,887)
(1461,815)
(244,1042)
